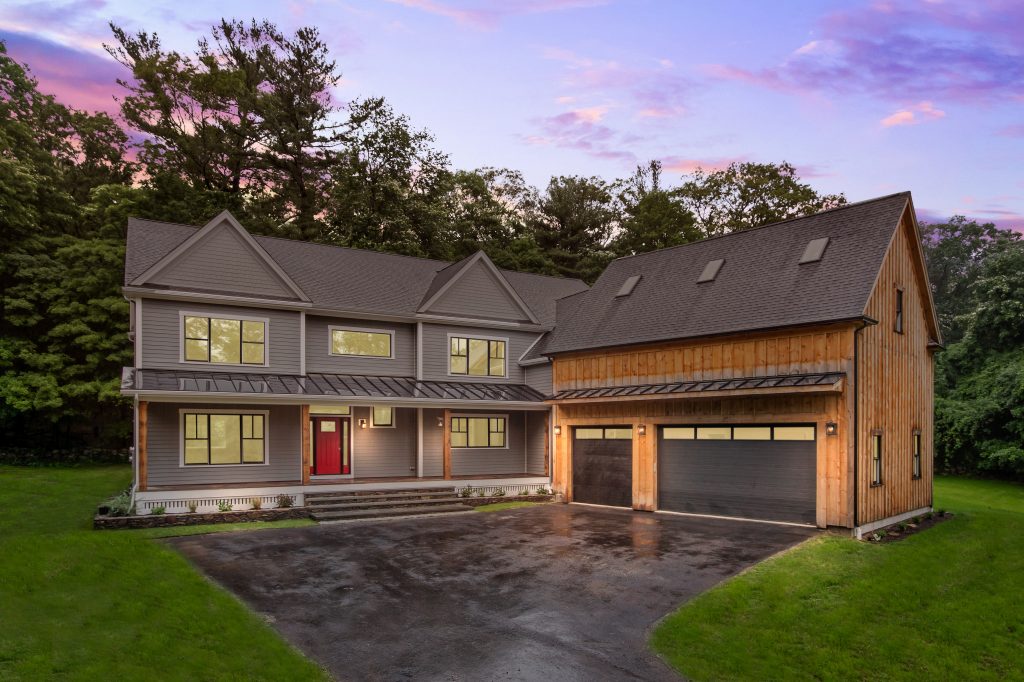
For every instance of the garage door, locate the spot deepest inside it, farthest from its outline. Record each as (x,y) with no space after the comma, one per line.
(602,465)
(757,472)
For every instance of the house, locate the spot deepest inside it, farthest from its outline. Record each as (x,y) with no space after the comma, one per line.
(267,366)
(782,373)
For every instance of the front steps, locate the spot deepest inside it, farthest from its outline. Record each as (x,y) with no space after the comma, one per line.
(360,505)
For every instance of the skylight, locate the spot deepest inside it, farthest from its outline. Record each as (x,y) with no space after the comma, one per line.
(628,286)
(814,251)
(710,271)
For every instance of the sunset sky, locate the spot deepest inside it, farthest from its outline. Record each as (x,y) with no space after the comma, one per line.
(866,98)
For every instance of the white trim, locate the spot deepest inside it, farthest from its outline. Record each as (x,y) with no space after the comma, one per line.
(135,441)
(419,351)
(182,314)
(419,442)
(331,328)
(481,257)
(859,531)
(374,425)
(480,415)
(302,342)
(536,361)
(477,337)
(732,518)
(218,299)
(194,410)
(138,333)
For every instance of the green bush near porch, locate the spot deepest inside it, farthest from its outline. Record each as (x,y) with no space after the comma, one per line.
(947,603)
(105,605)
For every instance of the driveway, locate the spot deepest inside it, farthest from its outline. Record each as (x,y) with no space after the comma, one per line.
(554,592)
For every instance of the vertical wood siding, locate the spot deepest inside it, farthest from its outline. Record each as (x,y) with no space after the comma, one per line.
(319,359)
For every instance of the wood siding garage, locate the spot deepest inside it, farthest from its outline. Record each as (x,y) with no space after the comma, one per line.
(602,465)
(730,475)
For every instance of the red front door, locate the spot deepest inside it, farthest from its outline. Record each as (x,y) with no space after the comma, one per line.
(331,446)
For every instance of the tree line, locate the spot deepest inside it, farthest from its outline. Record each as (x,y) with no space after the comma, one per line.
(248,121)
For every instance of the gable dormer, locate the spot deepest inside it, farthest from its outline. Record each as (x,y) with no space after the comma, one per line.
(223,258)
(475,288)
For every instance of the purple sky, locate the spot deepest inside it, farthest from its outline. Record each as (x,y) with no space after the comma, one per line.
(866,98)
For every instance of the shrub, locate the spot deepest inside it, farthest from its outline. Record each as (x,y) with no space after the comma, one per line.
(543,491)
(256,502)
(500,492)
(903,526)
(158,510)
(941,512)
(466,492)
(930,515)
(224,506)
(285,501)
(479,492)
(120,504)
(524,492)
(192,506)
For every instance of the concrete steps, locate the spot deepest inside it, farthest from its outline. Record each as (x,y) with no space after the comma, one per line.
(341,506)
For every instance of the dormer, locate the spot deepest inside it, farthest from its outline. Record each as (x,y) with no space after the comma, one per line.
(474,288)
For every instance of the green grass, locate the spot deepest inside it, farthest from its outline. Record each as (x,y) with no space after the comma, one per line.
(946,604)
(502,506)
(80,604)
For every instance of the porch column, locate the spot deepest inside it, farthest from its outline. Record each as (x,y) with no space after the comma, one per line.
(307,451)
(141,451)
(419,442)
(547,443)
(447,447)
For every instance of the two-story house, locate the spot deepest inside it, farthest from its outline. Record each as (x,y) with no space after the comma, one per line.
(782,373)
(268,366)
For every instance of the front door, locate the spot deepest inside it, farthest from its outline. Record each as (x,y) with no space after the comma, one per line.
(331,454)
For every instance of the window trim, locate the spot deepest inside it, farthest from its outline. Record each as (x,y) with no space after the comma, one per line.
(182,314)
(877,435)
(899,323)
(916,455)
(373,422)
(331,328)
(477,415)
(193,410)
(478,337)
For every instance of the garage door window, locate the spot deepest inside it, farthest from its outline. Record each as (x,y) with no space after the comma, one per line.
(714,433)
(593,433)
(738,432)
(678,433)
(793,432)
(752,433)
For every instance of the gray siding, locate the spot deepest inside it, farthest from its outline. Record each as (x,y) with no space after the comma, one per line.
(433,443)
(539,377)
(162,336)
(222,262)
(494,461)
(477,293)
(164,448)
(536,438)
(435,352)
(319,359)
(384,452)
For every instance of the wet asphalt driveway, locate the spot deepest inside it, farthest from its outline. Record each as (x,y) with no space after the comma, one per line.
(555,592)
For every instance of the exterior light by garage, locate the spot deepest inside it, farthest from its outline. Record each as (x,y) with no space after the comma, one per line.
(558,429)
(831,428)
(641,429)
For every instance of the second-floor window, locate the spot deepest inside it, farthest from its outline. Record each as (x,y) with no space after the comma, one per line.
(224,341)
(477,357)
(371,343)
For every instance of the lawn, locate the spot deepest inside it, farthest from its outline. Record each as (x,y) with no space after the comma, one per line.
(502,506)
(80,604)
(945,604)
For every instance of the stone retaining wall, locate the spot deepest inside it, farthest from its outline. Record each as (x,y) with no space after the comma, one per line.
(481,501)
(160,520)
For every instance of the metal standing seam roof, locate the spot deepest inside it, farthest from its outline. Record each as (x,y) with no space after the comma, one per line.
(826,380)
(323,385)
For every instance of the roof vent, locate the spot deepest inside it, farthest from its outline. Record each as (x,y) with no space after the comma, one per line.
(814,251)
(710,271)
(628,286)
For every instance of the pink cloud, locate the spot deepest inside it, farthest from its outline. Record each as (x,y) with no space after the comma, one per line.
(918,113)
(686,166)
(487,15)
(580,132)
(1016,130)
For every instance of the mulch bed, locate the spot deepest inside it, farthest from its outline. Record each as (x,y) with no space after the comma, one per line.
(161,520)
(894,533)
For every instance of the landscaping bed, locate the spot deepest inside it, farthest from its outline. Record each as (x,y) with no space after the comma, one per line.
(194,519)
(904,529)
(481,501)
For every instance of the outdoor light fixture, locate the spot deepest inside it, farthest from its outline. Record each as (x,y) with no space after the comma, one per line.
(362,423)
(831,428)
(440,422)
(558,429)
(641,429)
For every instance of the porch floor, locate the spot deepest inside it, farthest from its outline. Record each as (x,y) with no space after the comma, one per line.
(342,481)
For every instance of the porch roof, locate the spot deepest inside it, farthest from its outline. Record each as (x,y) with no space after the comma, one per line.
(826,382)
(317,385)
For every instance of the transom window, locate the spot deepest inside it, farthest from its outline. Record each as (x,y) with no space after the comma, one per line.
(917,455)
(478,432)
(801,432)
(604,433)
(383,416)
(361,342)
(224,341)
(876,458)
(477,357)
(216,439)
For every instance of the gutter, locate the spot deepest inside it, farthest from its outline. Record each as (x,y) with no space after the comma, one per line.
(865,322)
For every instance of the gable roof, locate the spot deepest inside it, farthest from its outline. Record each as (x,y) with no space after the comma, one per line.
(372,283)
(450,276)
(761,284)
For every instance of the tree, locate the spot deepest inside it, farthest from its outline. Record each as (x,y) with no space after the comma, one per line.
(574,223)
(745,195)
(652,217)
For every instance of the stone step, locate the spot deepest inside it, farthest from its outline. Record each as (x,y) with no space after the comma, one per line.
(383,504)
(321,498)
(388,512)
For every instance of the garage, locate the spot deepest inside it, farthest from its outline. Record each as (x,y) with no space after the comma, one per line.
(756,472)
(602,465)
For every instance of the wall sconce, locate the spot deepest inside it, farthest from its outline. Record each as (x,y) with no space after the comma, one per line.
(558,429)
(831,428)
(641,429)
(362,423)
(440,422)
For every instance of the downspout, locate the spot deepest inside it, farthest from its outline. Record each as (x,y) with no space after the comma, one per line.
(865,322)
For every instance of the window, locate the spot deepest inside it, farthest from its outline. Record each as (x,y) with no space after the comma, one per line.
(212,439)
(793,432)
(383,416)
(876,458)
(478,432)
(678,433)
(714,433)
(224,341)
(598,433)
(917,454)
(899,311)
(802,432)
(752,433)
(372,343)
(476,357)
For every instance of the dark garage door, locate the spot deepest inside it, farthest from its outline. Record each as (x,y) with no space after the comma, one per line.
(602,465)
(756,472)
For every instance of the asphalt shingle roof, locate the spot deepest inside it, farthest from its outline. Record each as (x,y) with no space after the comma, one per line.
(346,279)
(761,285)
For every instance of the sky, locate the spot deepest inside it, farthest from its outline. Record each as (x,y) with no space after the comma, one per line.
(864,98)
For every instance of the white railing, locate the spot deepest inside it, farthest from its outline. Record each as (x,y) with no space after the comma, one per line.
(206,505)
